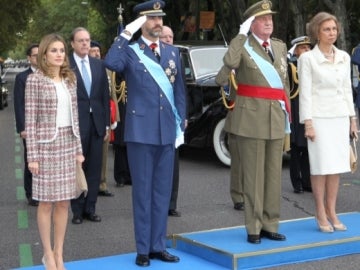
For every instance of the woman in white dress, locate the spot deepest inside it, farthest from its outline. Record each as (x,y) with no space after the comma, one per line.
(327,110)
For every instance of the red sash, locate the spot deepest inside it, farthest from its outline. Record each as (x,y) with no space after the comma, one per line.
(264,92)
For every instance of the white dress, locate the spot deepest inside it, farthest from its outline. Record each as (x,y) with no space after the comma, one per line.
(326,99)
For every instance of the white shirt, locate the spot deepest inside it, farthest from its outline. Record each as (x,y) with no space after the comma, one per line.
(63,110)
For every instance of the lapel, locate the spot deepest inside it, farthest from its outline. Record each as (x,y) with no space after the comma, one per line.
(147,51)
(258,48)
(80,82)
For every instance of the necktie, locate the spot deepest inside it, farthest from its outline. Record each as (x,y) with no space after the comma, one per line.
(153,47)
(267,50)
(85,77)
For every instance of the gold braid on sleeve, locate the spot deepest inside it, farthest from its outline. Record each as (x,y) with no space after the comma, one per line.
(295,81)
(119,89)
(233,84)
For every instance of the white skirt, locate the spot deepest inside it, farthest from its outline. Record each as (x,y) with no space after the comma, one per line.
(329,153)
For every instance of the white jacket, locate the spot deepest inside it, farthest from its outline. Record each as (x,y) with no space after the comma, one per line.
(325,87)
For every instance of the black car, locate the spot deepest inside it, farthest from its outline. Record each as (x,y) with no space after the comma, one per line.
(4,94)
(206,111)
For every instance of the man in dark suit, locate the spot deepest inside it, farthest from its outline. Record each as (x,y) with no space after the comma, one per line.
(155,121)
(19,107)
(94,120)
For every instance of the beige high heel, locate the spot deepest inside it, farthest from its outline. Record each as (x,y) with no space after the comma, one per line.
(325,228)
(339,227)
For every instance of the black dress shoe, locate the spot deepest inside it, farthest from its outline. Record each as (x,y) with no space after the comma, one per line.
(77,220)
(105,193)
(239,206)
(254,238)
(164,256)
(272,235)
(298,190)
(142,260)
(308,189)
(32,202)
(120,184)
(174,213)
(92,217)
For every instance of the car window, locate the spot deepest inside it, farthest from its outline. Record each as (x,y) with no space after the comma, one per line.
(185,61)
(207,60)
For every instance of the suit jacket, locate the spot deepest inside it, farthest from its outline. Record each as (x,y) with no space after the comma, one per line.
(325,89)
(149,115)
(98,100)
(255,117)
(41,111)
(19,99)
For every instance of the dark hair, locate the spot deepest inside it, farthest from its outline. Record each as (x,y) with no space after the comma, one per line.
(29,49)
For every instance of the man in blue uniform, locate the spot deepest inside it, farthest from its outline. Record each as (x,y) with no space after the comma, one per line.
(154,124)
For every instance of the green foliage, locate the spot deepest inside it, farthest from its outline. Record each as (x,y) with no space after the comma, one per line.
(14,20)
(25,22)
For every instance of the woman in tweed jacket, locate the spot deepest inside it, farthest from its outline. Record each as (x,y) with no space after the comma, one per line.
(53,139)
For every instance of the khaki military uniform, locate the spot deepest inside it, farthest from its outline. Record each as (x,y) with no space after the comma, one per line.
(259,127)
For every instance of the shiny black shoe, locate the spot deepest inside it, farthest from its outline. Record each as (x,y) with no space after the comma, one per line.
(92,217)
(254,238)
(272,235)
(298,190)
(142,260)
(164,256)
(174,213)
(77,220)
(105,193)
(239,206)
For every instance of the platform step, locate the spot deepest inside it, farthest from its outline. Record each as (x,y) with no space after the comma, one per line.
(228,247)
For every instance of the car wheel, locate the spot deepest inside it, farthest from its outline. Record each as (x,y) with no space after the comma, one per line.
(220,143)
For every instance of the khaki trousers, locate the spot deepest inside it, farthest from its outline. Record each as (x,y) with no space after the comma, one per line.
(261,167)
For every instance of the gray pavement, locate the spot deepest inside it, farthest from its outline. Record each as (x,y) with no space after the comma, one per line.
(204,202)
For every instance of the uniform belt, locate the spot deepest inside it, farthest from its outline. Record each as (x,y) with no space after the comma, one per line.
(264,92)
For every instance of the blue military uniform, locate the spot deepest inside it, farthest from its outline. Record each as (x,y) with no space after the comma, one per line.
(150,128)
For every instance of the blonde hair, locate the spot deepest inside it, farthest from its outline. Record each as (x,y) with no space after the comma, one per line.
(313,27)
(65,70)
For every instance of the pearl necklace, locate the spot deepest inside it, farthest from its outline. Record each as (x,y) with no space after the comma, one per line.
(329,55)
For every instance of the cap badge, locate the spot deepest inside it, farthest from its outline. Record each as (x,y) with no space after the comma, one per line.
(157,6)
(265,6)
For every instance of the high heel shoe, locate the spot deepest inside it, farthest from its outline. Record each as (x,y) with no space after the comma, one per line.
(339,227)
(43,260)
(325,228)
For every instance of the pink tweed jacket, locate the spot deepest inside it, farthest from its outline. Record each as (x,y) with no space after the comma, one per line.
(41,112)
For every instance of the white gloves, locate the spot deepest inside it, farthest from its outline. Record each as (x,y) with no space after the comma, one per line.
(245,26)
(133,27)
(179,140)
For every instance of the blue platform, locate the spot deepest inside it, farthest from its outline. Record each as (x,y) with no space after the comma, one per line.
(227,248)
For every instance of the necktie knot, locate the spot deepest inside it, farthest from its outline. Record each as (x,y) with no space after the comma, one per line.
(153,47)
(266,45)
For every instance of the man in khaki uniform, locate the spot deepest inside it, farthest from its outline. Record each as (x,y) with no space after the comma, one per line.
(259,119)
